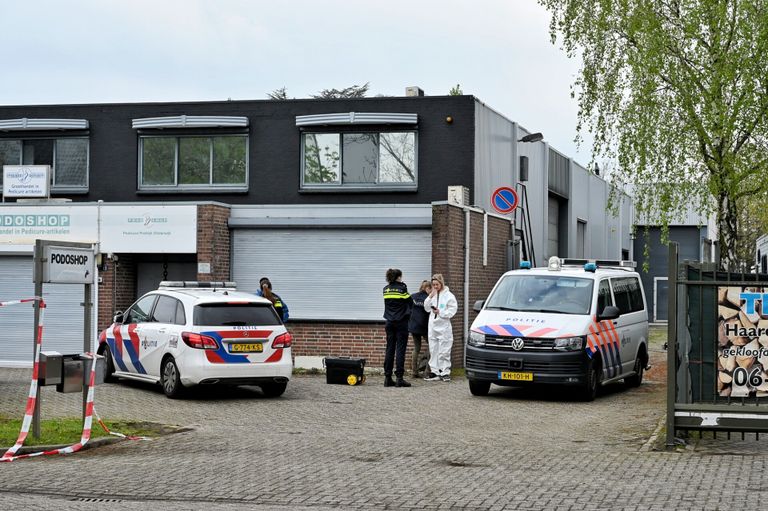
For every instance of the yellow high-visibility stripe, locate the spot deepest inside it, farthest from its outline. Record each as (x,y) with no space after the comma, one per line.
(396,295)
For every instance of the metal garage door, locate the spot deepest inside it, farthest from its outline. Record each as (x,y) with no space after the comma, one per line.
(63,329)
(330,273)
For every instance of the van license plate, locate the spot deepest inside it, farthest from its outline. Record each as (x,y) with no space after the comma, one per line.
(514,376)
(242,347)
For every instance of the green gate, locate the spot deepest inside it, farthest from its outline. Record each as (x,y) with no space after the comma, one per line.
(717,371)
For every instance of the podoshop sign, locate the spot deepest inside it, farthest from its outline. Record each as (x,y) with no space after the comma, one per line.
(742,337)
(68,265)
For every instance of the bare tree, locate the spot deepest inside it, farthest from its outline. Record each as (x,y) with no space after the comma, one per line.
(353,91)
(279,94)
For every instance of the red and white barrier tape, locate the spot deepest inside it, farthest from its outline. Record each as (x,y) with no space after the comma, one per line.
(10,454)
(115,433)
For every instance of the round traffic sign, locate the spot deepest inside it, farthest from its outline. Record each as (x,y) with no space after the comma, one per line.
(504,200)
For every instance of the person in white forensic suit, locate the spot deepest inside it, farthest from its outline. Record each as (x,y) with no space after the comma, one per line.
(442,306)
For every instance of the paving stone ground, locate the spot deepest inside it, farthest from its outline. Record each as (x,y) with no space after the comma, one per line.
(430,447)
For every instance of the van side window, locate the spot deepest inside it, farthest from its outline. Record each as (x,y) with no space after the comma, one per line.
(628,296)
(604,298)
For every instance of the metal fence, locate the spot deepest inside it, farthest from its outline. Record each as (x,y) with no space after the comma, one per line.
(718,349)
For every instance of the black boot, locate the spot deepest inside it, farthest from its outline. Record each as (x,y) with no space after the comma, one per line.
(401,382)
(388,382)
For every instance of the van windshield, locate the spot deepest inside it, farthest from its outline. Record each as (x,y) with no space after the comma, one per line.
(542,293)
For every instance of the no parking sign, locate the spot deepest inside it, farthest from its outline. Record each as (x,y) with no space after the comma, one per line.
(504,200)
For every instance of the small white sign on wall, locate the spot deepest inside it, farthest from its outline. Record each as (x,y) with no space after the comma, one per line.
(26,180)
(204,268)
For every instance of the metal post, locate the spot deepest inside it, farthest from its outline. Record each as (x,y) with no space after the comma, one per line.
(87,305)
(38,278)
(672,345)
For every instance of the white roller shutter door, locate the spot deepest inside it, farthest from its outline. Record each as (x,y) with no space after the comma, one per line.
(333,274)
(63,320)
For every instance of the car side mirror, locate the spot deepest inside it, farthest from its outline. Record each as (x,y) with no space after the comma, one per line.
(118,318)
(478,305)
(610,312)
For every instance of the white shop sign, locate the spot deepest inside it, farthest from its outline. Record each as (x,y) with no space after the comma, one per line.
(26,180)
(68,265)
(149,229)
(117,229)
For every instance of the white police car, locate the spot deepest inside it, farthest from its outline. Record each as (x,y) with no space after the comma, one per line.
(577,323)
(190,333)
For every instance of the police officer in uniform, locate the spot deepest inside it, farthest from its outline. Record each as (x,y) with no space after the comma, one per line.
(397,311)
(265,290)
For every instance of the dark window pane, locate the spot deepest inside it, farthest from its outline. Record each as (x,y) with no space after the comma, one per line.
(158,160)
(397,158)
(603,296)
(359,160)
(71,162)
(165,310)
(228,314)
(139,313)
(10,154)
(621,293)
(181,318)
(229,160)
(321,158)
(635,295)
(38,152)
(194,160)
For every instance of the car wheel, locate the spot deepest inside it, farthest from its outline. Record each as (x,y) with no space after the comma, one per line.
(479,388)
(109,365)
(594,377)
(636,379)
(170,379)
(275,389)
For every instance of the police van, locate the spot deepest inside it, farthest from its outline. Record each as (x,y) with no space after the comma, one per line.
(576,323)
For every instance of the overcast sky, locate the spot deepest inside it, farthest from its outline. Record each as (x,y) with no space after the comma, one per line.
(90,51)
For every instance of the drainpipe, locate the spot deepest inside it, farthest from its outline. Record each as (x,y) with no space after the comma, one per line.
(466,280)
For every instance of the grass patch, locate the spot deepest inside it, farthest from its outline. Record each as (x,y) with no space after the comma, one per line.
(657,336)
(311,370)
(68,430)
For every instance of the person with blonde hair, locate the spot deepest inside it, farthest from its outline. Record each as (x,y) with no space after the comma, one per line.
(418,326)
(441,306)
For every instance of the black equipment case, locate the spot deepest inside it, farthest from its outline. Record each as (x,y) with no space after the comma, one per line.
(344,370)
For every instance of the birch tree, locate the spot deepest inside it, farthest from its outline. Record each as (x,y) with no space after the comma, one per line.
(675,91)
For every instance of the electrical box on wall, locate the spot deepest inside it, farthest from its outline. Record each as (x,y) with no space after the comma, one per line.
(458,195)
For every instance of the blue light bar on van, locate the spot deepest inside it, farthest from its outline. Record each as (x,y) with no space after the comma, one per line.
(525,265)
(591,267)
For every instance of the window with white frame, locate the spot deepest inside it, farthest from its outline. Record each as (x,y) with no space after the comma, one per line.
(188,162)
(67,156)
(364,159)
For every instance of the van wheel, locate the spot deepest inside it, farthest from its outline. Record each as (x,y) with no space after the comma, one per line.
(479,388)
(109,365)
(275,389)
(636,379)
(170,379)
(594,377)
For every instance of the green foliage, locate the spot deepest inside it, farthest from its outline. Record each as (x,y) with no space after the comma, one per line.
(69,430)
(676,91)
(455,91)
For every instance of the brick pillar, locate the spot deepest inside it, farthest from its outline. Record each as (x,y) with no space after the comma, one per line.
(213,241)
(117,290)
(448,237)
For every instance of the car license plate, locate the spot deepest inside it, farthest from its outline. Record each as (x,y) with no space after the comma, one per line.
(514,376)
(241,347)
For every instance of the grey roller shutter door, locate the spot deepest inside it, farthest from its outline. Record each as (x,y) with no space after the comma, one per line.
(333,274)
(63,319)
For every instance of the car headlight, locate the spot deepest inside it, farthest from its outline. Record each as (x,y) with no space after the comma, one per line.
(569,343)
(476,339)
